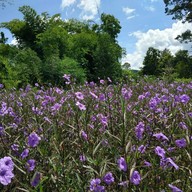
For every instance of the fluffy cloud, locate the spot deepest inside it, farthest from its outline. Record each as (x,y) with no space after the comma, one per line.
(159,39)
(67,3)
(89,8)
(130,13)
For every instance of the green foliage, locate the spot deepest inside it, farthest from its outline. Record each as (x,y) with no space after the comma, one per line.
(151,61)
(181,10)
(167,66)
(92,46)
(110,25)
(27,64)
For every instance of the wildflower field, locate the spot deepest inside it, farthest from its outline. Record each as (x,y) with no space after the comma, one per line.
(97,137)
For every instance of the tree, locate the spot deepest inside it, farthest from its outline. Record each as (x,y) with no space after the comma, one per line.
(183,64)
(151,62)
(110,25)
(181,10)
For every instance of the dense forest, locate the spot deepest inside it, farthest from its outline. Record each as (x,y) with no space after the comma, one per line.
(48,47)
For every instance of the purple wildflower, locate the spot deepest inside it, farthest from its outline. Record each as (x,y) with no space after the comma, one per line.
(126,93)
(142,148)
(81,106)
(160,136)
(15,147)
(181,143)
(84,135)
(30,165)
(5,175)
(82,158)
(7,162)
(174,188)
(147,164)
(108,178)
(67,77)
(95,186)
(183,125)
(184,98)
(56,107)
(160,151)
(6,168)
(33,140)
(102,81)
(79,95)
(122,164)
(25,153)
(36,179)
(135,178)
(139,129)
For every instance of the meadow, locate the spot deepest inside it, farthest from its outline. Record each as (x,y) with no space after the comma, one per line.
(97,137)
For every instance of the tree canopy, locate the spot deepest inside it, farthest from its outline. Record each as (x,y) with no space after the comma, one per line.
(180,10)
(56,45)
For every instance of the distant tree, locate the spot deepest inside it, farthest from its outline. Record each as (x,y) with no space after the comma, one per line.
(183,64)
(126,66)
(181,10)
(151,62)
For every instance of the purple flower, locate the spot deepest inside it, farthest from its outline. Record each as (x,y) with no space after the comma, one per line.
(84,135)
(33,140)
(168,162)
(30,165)
(184,98)
(174,188)
(181,143)
(15,147)
(160,136)
(81,106)
(142,148)
(1,86)
(139,129)
(160,151)
(95,185)
(7,163)
(126,93)
(147,164)
(25,153)
(135,178)
(5,175)
(102,81)
(67,77)
(183,125)
(56,107)
(36,179)
(108,178)
(82,158)
(79,95)
(122,164)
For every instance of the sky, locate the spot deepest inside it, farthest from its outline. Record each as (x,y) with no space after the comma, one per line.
(144,22)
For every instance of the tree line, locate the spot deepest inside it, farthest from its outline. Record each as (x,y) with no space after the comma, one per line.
(48,47)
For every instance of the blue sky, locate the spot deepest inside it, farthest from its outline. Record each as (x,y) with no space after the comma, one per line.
(143,22)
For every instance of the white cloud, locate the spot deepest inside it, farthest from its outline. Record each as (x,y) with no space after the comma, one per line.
(67,3)
(13,42)
(89,8)
(129,12)
(150,8)
(159,39)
